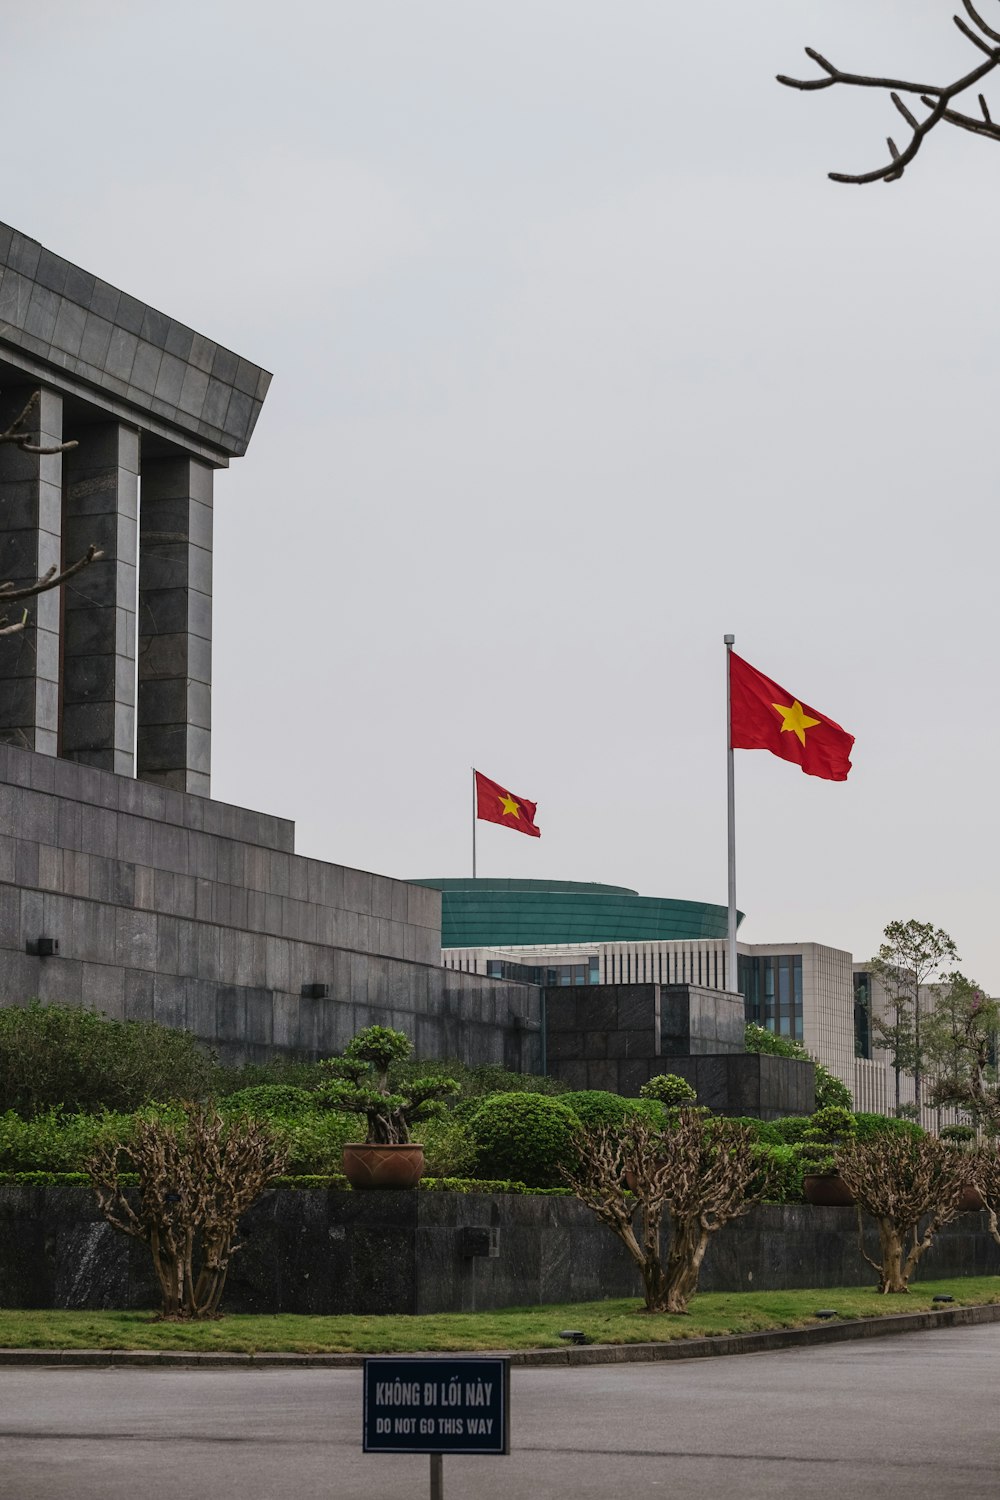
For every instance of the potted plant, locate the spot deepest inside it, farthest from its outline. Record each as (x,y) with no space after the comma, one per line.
(362,1084)
(822,1184)
(963,1138)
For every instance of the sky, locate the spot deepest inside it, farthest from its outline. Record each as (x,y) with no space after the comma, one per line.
(580,362)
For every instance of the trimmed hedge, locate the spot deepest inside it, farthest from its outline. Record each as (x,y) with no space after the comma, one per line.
(269,1099)
(524,1137)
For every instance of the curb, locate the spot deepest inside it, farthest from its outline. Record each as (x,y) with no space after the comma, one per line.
(592,1354)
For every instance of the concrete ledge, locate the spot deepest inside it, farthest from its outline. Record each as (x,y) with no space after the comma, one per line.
(591,1354)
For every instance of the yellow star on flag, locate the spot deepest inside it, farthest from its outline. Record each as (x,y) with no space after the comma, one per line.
(510,807)
(795,719)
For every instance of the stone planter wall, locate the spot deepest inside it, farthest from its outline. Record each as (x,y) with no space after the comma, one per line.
(319,1251)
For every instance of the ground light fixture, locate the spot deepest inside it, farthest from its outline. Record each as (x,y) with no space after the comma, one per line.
(826,1312)
(943,1297)
(574,1336)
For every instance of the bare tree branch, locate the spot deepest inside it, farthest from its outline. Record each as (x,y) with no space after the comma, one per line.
(50,580)
(936,97)
(21,436)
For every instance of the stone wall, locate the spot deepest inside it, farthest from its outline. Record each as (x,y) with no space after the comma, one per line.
(171,907)
(318,1251)
(618,1036)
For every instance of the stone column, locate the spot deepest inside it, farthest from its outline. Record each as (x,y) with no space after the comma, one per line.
(30,524)
(101,507)
(175,624)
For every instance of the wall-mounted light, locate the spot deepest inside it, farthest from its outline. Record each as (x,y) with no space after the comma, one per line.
(42,947)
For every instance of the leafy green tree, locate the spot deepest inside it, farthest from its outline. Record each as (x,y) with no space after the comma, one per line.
(913,954)
(963,1033)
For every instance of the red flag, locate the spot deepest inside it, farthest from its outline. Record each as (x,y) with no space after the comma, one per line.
(768,717)
(494,804)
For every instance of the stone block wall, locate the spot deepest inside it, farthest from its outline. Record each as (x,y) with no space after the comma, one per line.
(328,1252)
(170,907)
(618,1036)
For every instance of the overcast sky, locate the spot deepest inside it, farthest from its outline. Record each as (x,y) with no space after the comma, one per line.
(580,362)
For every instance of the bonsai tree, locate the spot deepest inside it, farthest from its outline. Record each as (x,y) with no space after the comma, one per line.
(705,1172)
(910,1187)
(670,1090)
(827,1129)
(362,1084)
(195,1181)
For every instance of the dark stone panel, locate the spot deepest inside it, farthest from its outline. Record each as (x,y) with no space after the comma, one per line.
(332,1252)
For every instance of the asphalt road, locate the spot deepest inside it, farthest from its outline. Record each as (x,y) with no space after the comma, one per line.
(907,1417)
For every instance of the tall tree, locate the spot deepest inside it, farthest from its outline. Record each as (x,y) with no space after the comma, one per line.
(912,956)
(937,98)
(963,1032)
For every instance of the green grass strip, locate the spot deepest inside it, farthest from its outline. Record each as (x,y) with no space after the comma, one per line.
(615,1322)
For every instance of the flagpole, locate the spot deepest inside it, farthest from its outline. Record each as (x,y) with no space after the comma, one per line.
(473,822)
(732,973)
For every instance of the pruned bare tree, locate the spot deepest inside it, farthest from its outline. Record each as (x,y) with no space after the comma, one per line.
(195,1181)
(911,1188)
(986,1177)
(706,1172)
(23,436)
(936,98)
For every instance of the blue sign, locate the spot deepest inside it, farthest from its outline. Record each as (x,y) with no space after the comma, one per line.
(436,1405)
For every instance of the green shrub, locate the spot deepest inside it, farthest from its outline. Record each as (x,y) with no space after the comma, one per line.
(868,1126)
(525,1137)
(491,1078)
(315,1142)
(595,1107)
(315,1180)
(54,1142)
(62,1057)
(670,1090)
(790,1128)
(959,1135)
(449,1150)
(785,1173)
(61,1179)
(276,1072)
(764,1131)
(271,1099)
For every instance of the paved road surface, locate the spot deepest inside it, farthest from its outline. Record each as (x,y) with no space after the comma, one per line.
(911,1418)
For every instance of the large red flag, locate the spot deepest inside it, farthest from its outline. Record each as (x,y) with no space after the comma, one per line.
(768,717)
(494,804)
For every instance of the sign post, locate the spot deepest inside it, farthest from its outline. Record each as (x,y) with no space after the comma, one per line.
(436,1406)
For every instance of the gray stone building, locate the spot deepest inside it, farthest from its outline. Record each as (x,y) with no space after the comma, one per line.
(123,886)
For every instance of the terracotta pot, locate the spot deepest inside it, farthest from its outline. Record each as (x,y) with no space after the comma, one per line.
(368,1166)
(972,1201)
(826,1191)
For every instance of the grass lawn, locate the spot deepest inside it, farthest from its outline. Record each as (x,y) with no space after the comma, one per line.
(616,1322)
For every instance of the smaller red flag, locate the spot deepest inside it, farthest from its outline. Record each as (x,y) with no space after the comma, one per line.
(494,804)
(765,716)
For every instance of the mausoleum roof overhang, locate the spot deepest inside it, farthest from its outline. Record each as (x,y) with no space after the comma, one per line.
(107,350)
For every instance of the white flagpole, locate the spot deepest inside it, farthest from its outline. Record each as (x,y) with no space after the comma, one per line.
(732,973)
(473,822)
